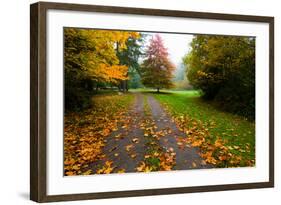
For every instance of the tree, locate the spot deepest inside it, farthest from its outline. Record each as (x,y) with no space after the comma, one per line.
(157,70)
(223,67)
(134,79)
(130,57)
(91,53)
(90,60)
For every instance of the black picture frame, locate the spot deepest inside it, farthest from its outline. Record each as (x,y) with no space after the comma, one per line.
(38,102)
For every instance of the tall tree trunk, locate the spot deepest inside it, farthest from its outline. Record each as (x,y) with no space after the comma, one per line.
(127,85)
(158,90)
(123,86)
(97,87)
(120,86)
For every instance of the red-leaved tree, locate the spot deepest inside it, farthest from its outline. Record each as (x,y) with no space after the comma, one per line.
(157,70)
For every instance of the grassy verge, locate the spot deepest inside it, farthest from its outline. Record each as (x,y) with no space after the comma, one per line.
(85,132)
(227,140)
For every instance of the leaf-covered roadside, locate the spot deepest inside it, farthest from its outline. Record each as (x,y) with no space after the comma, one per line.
(218,144)
(214,149)
(85,132)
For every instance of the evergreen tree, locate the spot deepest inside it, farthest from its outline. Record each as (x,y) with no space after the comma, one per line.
(157,70)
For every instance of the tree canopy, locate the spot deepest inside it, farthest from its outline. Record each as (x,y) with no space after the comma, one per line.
(223,67)
(90,59)
(157,70)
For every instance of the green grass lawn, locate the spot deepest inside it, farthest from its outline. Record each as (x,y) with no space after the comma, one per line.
(235,130)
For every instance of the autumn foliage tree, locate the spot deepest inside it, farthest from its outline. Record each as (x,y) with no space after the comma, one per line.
(223,67)
(90,60)
(157,70)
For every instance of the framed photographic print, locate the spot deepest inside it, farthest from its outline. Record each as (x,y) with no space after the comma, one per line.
(134,102)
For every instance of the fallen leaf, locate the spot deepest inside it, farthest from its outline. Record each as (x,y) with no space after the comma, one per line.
(88,172)
(133,156)
(129,147)
(194,164)
(135,140)
(121,171)
(141,167)
(179,143)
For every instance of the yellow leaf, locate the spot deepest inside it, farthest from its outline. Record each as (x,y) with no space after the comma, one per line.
(88,172)
(179,143)
(129,147)
(121,171)
(194,164)
(147,169)
(70,173)
(141,167)
(108,163)
(133,156)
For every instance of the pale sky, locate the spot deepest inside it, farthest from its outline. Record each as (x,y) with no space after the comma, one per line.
(177,45)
